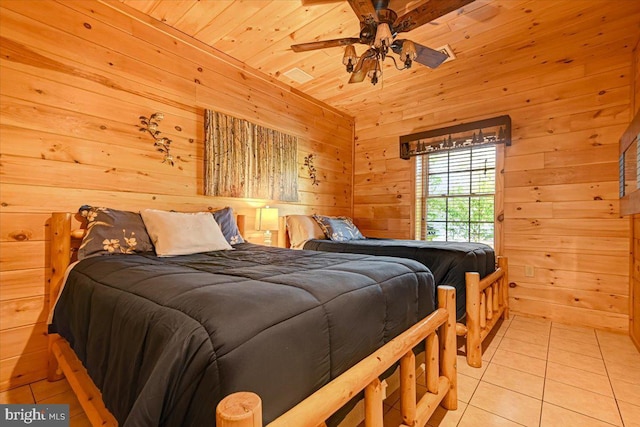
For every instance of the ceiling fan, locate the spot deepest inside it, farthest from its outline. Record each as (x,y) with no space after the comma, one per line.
(379,28)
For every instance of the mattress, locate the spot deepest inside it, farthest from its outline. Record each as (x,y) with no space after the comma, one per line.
(165,339)
(448,261)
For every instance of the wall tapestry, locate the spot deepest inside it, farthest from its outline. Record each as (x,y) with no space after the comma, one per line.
(246,160)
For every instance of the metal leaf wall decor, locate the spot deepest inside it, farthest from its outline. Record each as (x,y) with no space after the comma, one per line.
(246,160)
(311,169)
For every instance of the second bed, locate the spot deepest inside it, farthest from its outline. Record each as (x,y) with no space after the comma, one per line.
(480,278)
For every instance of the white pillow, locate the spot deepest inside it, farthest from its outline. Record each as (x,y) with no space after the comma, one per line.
(179,233)
(302,228)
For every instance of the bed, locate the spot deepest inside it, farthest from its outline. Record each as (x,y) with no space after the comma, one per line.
(480,278)
(161,341)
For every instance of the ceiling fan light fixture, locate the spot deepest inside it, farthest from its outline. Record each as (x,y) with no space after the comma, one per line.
(384,38)
(376,73)
(408,51)
(350,58)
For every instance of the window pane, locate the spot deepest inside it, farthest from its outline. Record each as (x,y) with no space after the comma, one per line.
(459,160)
(484,157)
(458,232)
(438,163)
(483,182)
(458,209)
(482,209)
(482,233)
(460,182)
(437,210)
(438,184)
(437,231)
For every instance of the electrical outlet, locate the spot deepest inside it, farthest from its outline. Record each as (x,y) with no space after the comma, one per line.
(528,271)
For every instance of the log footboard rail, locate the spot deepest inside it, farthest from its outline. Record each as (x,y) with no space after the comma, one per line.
(437,330)
(487,301)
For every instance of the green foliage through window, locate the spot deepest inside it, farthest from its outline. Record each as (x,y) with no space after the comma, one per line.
(455,195)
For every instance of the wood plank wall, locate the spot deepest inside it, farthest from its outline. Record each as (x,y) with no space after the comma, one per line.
(634,281)
(567,89)
(636,79)
(634,259)
(75,77)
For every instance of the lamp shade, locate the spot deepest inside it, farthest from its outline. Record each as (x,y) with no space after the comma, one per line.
(384,38)
(408,51)
(349,55)
(266,218)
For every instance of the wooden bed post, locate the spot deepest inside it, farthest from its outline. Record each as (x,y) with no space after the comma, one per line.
(373,409)
(432,359)
(408,388)
(242,409)
(504,265)
(60,259)
(448,345)
(240,222)
(474,340)
(487,301)
(282,232)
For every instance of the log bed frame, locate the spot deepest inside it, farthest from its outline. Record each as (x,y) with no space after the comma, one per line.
(487,301)
(243,409)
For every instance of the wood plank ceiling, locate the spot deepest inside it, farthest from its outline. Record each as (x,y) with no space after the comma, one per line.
(488,37)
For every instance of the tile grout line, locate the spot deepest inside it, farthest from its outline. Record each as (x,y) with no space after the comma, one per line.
(33,396)
(613,390)
(546,369)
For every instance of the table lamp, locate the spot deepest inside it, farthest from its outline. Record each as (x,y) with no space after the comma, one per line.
(267,220)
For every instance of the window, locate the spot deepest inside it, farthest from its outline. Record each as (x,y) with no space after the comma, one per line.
(455,195)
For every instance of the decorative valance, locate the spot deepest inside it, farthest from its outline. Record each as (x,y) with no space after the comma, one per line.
(246,160)
(496,130)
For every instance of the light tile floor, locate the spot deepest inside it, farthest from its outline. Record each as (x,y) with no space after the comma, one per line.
(45,392)
(534,373)
(542,374)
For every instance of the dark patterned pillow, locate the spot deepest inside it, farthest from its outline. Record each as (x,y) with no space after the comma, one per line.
(339,229)
(227,222)
(111,231)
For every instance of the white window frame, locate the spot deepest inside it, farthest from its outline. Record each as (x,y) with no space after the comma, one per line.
(498,200)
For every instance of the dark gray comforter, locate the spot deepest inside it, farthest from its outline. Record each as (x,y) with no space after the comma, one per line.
(448,261)
(166,338)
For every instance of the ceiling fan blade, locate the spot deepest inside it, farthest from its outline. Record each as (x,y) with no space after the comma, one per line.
(430,57)
(315,2)
(427,12)
(364,10)
(366,63)
(304,47)
(426,56)
(359,76)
